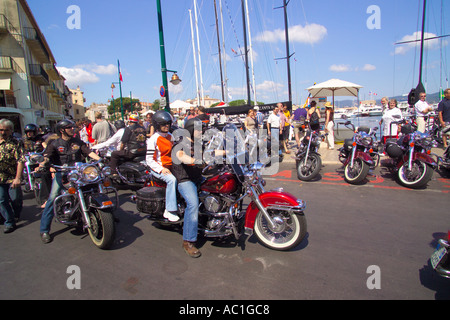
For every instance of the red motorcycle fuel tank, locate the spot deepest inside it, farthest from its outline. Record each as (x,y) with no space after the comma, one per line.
(225,183)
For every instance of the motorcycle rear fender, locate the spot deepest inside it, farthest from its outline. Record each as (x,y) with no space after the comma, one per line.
(418,156)
(278,199)
(100,201)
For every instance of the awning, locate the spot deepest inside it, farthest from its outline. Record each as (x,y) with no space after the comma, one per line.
(5,82)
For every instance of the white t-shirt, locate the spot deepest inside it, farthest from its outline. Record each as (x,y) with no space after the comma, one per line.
(419,107)
(388,118)
(274,121)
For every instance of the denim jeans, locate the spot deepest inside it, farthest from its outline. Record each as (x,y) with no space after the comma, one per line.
(47,214)
(188,191)
(5,205)
(171,190)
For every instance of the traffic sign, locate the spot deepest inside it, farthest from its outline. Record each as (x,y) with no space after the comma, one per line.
(162,91)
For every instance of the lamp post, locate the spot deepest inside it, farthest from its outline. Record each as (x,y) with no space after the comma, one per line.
(121,100)
(175,79)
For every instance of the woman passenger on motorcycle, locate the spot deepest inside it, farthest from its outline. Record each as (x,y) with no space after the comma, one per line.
(159,159)
(189,176)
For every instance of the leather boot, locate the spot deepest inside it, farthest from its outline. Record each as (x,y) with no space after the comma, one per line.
(191,250)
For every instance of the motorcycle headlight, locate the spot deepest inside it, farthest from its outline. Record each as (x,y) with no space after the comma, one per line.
(90,174)
(73,176)
(106,171)
(364,141)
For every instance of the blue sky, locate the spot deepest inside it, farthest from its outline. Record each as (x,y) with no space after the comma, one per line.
(330,39)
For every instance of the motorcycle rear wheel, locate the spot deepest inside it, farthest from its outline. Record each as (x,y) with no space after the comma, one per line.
(290,230)
(311,169)
(102,229)
(356,174)
(419,175)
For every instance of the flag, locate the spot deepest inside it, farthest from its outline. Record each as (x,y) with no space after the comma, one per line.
(120,72)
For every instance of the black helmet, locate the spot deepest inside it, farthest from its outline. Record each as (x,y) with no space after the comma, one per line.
(46,130)
(161,118)
(193,123)
(31,127)
(119,124)
(64,124)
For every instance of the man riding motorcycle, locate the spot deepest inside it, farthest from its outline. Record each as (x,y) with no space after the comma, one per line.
(32,141)
(132,143)
(64,150)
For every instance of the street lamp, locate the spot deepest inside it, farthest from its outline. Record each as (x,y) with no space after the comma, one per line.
(121,102)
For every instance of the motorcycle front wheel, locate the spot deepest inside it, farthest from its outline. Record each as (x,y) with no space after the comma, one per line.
(419,175)
(102,228)
(357,173)
(289,230)
(311,169)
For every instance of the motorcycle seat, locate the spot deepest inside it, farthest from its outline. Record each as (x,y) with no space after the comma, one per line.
(139,159)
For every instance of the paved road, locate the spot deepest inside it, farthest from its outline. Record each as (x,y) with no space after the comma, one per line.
(354,234)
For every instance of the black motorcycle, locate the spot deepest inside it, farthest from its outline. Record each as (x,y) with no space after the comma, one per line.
(307,159)
(85,202)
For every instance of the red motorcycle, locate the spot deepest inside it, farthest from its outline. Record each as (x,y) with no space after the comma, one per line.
(276,217)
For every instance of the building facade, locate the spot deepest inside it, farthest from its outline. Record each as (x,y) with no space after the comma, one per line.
(31,88)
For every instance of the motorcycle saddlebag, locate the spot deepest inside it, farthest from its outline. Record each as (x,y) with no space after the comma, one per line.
(151,200)
(394,151)
(133,172)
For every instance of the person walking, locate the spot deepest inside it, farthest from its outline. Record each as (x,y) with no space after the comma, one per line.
(11,166)
(102,130)
(329,124)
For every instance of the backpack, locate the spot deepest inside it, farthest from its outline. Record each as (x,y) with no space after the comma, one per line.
(314,119)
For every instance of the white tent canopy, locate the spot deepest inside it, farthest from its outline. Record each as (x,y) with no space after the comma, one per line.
(179,104)
(334,87)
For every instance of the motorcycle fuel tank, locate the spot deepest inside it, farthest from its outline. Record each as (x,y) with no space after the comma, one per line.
(225,183)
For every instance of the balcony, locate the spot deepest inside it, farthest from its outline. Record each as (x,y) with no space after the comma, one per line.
(52,71)
(6,27)
(39,75)
(8,65)
(36,45)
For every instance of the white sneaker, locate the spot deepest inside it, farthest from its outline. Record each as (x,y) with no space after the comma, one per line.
(170,216)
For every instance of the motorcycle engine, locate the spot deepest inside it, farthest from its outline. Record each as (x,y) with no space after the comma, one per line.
(211,203)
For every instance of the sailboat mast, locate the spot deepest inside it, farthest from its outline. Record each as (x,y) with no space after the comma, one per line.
(225,83)
(220,54)
(197,91)
(246,53)
(199,56)
(288,55)
(251,54)
(420,86)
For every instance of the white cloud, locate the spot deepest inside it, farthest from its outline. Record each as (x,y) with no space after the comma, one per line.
(428,44)
(77,76)
(348,68)
(311,33)
(369,67)
(110,69)
(340,68)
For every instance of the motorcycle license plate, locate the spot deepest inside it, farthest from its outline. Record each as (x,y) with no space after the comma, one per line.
(437,256)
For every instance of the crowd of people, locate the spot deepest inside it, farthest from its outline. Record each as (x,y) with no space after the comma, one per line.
(422,110)
(72,142)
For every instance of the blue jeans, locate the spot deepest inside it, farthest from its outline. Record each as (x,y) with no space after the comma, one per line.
(171,190)
(5,205)
(188,191)
(47,214)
